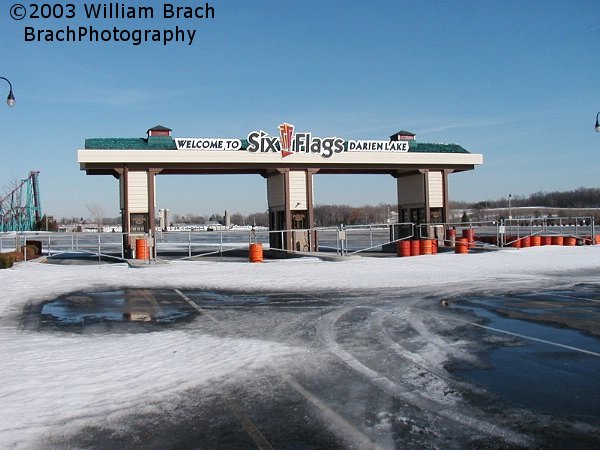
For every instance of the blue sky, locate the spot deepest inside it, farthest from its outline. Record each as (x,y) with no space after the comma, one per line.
(518,81)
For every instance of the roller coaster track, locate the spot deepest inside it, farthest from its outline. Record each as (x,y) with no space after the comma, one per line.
(20,209)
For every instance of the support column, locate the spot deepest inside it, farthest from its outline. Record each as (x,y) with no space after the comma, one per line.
(152,207)
(446,200)
(426,190)
(288,209)
(138,204)
(122,174)
(291,211)
(310,200)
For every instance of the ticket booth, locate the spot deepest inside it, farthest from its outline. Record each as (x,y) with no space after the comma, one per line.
(422,199)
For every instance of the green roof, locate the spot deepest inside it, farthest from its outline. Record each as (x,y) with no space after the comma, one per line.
(167,143)
(152,143)
(423,147)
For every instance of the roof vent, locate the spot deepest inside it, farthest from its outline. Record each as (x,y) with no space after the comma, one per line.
(403,136)
(159,130)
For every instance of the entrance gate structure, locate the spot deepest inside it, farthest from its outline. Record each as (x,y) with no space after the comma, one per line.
(288,162)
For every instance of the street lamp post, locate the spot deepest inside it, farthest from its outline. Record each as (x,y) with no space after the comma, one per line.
(509,209)
(597,127)
(10,100)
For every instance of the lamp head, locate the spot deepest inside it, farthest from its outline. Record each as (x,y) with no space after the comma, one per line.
(10,100)
(597,127)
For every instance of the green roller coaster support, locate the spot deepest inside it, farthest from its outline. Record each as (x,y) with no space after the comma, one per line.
(20,209)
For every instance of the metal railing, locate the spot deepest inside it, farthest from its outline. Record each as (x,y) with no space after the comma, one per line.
(343,239)
(508,231)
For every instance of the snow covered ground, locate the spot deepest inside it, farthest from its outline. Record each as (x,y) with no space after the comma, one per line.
(57,384)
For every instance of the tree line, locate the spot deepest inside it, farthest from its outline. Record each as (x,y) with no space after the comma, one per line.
(333,215)
(577,198)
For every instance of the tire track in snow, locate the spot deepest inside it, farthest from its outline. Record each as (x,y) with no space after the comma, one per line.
(326,329)
(378,327)
(328,413)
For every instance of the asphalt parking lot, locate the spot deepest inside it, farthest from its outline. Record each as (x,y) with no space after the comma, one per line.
(379,370)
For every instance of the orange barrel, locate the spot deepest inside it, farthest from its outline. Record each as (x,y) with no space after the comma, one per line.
(415,247)
(434,246)
(516,243)
(462,245)
(525,242)
(597,239)
(255,252)
(450,237)
(535,241)
(141,249)
(469,233)
(403,248)
(569,241)
(557,240)
(546,240)
(427,247)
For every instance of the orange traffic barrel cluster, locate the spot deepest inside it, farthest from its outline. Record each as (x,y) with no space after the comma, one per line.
(538,240)
(416,247)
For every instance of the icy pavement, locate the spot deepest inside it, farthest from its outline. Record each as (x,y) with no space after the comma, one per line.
(293,353)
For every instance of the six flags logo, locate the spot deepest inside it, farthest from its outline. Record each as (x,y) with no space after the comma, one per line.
(286,137)
(289,143)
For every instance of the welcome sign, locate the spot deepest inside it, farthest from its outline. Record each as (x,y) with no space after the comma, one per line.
(289,143)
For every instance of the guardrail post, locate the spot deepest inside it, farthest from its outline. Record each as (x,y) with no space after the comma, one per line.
(221,244)
(530,227)
(122,246)
(49,246)
(189,244)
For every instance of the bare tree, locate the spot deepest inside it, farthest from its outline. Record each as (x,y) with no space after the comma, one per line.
(97,214)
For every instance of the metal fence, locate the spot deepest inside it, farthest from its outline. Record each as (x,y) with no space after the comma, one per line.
(343,240)
(191,244)
(508,231)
